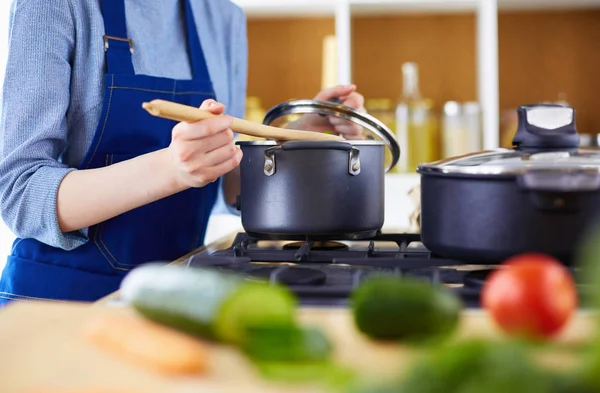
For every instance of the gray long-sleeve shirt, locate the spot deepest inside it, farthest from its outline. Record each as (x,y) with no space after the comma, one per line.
(52,94)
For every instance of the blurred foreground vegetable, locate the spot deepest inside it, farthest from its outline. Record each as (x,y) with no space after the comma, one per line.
(475,367)
(206,302)
(531,296)
(147,344)
(398,308)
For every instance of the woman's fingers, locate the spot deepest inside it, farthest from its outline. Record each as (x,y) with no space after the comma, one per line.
(211,105)
(201,129)
(220,155)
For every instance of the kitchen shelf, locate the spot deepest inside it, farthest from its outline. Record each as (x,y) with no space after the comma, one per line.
(320,8)
(343,11)
(522,5)
(379,7)
(486,12)
(287,8)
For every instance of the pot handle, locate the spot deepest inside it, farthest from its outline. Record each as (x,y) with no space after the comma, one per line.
(353,160)
(559,182)
(269,166)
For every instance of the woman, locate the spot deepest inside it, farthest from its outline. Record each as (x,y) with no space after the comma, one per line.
(91,184)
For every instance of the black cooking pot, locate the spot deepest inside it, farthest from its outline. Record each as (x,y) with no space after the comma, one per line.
(316,189)
(538,197)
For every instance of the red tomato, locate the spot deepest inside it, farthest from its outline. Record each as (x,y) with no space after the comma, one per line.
(531,295)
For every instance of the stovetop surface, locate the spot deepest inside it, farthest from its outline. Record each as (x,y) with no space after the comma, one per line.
(324,273)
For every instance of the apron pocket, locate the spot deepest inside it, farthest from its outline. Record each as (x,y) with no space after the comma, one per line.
(160,231)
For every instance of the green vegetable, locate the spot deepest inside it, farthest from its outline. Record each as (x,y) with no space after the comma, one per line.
(587,257)
(470,367)
(206,302)
(316,372)
(568,382)
(391,308)
(287,344)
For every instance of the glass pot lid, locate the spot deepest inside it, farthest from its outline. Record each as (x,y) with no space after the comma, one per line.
(376,128)
(546,140)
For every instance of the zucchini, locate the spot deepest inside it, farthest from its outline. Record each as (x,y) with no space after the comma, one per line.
(393,308)
(205,302)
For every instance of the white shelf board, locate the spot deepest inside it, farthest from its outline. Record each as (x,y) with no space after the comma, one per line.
(326,8)
(316,8)
(287,8)
(377,7)
(538,5)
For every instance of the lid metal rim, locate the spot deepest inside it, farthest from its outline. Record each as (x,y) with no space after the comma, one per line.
(500,170)
(338,110)
(273,143)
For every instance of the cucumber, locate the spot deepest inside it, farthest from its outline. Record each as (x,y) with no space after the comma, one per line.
(394,308)
(205,302)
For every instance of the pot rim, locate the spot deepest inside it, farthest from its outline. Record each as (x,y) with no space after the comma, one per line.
(559,162)
(273,143)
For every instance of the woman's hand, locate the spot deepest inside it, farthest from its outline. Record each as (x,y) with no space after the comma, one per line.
(345,128)
(203,151)
(199,154)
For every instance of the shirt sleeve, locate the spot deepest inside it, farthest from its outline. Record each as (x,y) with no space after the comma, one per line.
(33,124)
(239,68)
(238,85)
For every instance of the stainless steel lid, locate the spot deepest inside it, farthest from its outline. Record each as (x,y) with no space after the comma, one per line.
(329,108)
(514,162)
(546,140)
(273,143)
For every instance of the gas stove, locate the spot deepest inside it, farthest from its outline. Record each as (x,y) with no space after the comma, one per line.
(325,273)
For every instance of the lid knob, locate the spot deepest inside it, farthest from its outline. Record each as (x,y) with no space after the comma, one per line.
(546,126)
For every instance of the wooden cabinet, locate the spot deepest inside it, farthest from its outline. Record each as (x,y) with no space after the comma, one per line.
(551,55)
(501,53)
(285,57)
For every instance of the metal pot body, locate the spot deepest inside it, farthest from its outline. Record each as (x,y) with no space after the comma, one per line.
(316,189)
(487,220)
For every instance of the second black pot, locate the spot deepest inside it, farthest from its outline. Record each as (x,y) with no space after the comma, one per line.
(540,197)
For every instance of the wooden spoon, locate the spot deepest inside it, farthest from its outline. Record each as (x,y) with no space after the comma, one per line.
(179,112)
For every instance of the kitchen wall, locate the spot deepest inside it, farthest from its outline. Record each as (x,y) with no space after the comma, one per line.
(542,55)
(285,57)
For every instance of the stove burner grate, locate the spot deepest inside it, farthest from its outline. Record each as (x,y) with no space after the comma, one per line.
(327,272)
(318,245)
(289,275)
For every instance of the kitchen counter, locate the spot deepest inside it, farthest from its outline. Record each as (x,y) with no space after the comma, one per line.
(41,345)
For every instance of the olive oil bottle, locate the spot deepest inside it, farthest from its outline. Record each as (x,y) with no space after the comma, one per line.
(416,126)
(383,110)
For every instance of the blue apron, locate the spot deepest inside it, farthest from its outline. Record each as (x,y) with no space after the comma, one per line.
(164,230)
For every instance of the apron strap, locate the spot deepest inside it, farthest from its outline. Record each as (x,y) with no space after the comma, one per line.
(117,45)
(199,67)
(119,48)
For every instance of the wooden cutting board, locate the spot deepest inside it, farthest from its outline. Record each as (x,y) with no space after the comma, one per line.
(41,347)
